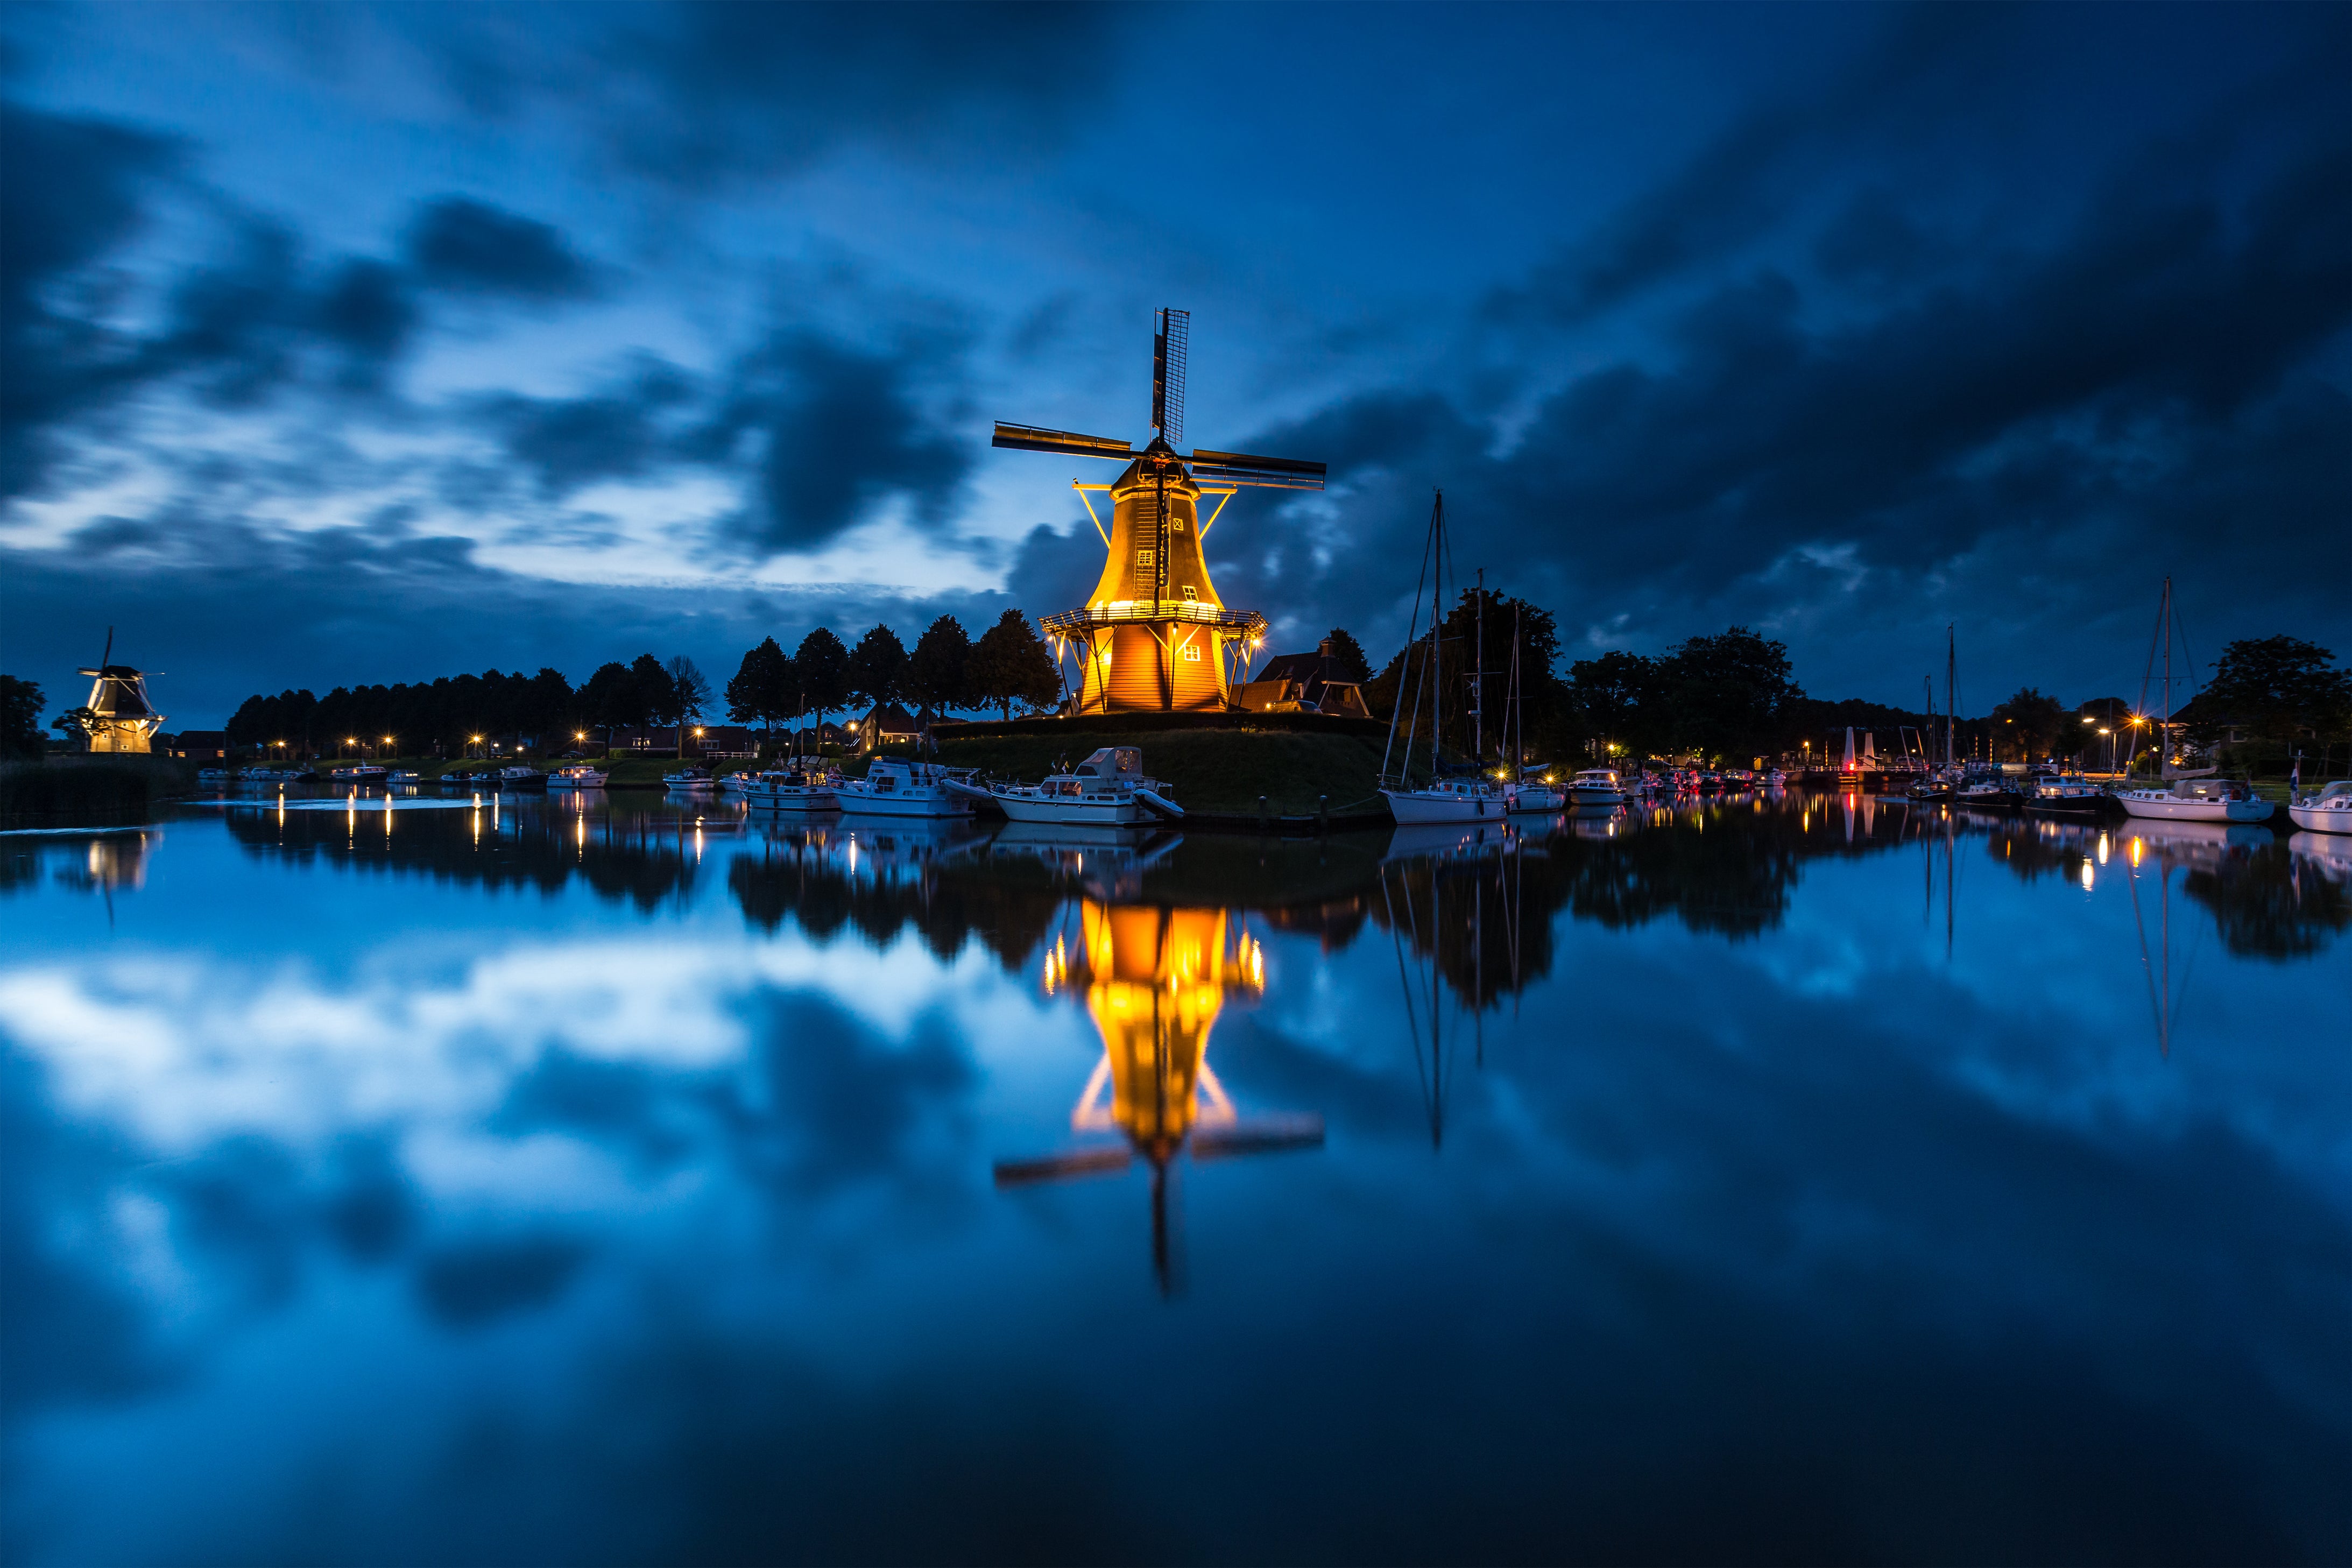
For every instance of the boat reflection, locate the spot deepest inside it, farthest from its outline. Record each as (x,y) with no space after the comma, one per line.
(1154,981)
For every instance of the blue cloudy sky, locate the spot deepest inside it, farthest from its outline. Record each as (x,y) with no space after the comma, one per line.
(351,344)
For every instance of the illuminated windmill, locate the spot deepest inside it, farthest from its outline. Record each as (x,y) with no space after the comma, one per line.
(1155,981)
(118,717)
(1153,635)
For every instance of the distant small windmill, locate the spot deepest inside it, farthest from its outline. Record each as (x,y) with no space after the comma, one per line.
(118,717)
(1154,613)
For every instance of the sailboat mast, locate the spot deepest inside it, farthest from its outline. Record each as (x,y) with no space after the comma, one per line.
(1951,679)
(1478,689)
(2164,615)
(1437,637)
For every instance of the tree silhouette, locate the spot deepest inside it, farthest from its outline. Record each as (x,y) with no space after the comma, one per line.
(822,664)
(939,673)
(1011,665)
(877,667)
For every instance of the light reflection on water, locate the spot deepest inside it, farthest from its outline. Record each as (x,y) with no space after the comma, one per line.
(640,1179)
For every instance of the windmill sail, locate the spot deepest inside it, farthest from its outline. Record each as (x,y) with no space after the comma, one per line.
(1171,350)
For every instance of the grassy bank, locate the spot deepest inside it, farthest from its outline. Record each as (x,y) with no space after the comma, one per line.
(70,792)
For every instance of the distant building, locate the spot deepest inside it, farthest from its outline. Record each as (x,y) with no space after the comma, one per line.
(196,746)
(886,722)
(1306,683)
(701,740)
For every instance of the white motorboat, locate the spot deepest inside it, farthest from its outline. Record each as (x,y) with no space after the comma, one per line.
(519,779)
(694,781)
(793,789)
(2198,800)
(893,786)
(1447,800)
(1597,786)
(2329,811)
(1109,789)
(735,783)
(578,776)
(365,773)
(1538,792)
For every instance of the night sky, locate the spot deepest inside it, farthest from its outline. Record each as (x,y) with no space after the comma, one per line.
(354,344)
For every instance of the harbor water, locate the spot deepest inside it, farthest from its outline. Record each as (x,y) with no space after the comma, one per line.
(638,1180)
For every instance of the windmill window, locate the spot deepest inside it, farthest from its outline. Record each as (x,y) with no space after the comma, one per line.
(1192,653)
(1144,559)
(1191,595)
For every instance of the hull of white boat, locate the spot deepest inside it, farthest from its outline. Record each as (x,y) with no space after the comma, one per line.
(1588,796)
(914,803)
(791,798)
(593,780)
(1414,806)
(1072,811)
(1538,800)
(2321,818)
(2178,808)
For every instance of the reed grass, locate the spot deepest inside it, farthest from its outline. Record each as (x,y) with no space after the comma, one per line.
(67,792)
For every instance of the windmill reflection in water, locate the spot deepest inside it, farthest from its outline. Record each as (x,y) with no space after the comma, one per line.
(1155,979)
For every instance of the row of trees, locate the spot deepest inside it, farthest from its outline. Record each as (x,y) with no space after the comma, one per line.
(946,670)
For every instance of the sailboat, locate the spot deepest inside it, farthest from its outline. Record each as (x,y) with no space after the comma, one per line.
(1535,791)
(2192,795)
(1443,799)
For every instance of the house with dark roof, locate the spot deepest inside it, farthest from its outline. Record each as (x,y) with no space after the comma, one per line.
(1306,683)
(886,722)
(198,746)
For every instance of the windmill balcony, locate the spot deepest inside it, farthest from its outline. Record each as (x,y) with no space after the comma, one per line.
(1128,612)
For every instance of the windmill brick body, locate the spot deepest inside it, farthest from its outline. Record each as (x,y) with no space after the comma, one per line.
(1154,637)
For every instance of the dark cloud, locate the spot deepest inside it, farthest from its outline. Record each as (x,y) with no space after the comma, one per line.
(457,243)
(702,94)
(70,191)
(2084,391)
(473,1283)
(564,443)
(840,432)
(1748,178)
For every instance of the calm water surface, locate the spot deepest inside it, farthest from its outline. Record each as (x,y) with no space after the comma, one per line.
(577,1182)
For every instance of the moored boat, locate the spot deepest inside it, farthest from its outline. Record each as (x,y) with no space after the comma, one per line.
(1109,789)
(577,776)
(523,780)
(793,789)
(1537,793)
(364,774)
(1447,800)
(1597,786)
(895,787)
(1990,795)
(2329,811)
(693,781)
(2066,794)
(2198,800)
